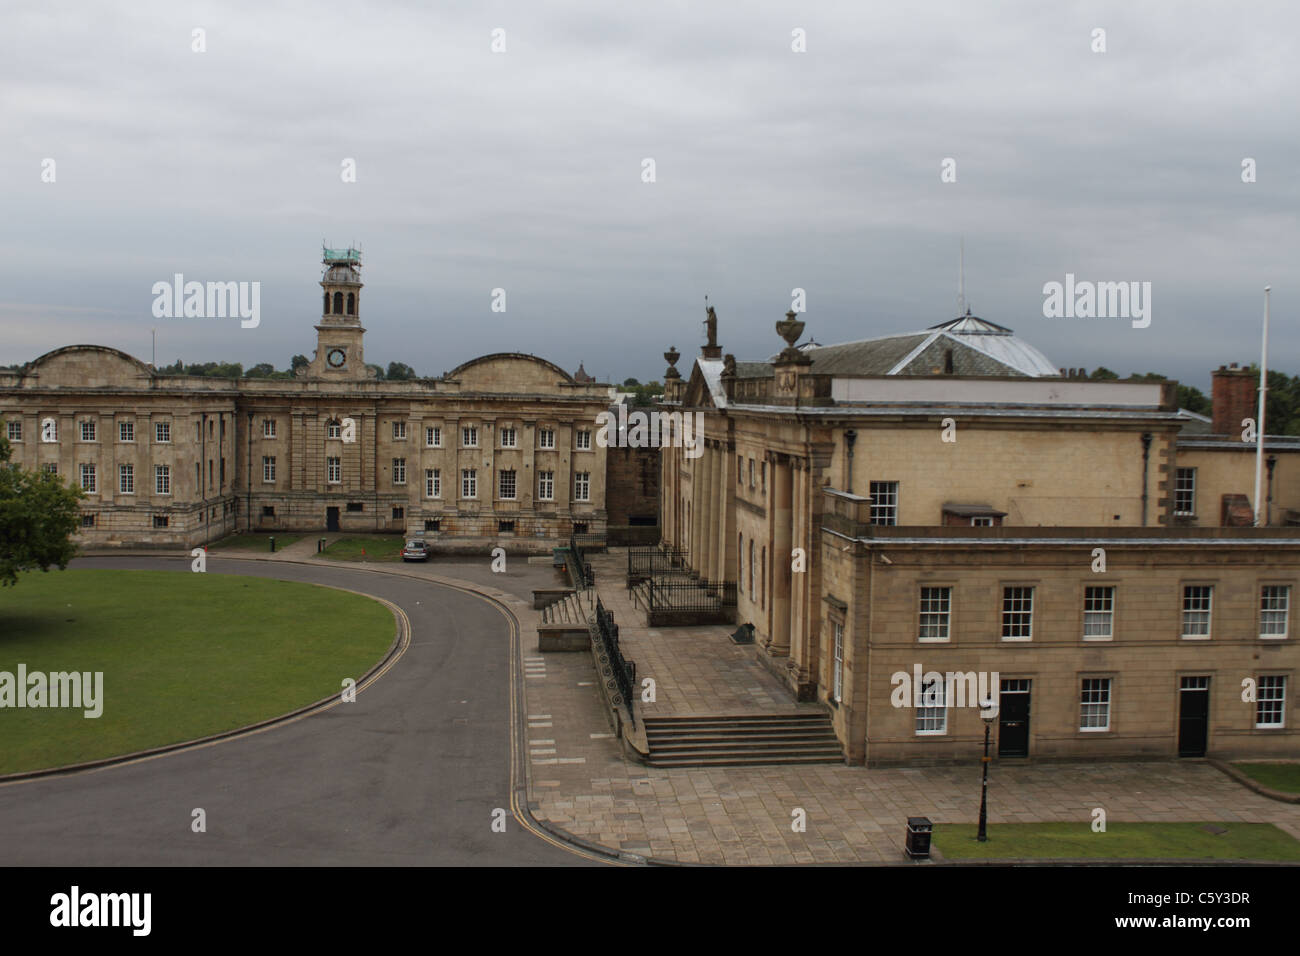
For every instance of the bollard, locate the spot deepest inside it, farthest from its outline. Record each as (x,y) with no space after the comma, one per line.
(320,545)
(273,545)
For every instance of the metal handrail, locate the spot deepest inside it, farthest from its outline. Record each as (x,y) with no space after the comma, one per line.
(624,670)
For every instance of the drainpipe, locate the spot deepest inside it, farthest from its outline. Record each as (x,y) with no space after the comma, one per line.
(850,437)
(1146,459)
(1271,462)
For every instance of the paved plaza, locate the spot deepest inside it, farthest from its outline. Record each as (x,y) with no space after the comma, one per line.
(580,782)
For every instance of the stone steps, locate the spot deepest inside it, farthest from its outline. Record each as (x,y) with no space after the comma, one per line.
(749,740)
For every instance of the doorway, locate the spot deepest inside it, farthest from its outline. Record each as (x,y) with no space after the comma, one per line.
(1013,719)
(331,519)
(1193,716)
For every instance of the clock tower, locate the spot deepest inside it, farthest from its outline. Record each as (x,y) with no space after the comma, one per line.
(338,336)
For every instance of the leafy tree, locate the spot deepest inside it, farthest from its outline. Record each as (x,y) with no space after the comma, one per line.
(39,514)
(1103,374)
(1194,400)
(1282,408)
(400,372)
(646,394)
(297,362)
(631,383)
(261,370)
(378,369)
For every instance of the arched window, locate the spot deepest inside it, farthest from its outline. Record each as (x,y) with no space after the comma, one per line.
(338,303)
(352,303)
(327,303)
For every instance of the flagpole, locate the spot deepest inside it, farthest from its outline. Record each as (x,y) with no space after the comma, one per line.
(1259,425)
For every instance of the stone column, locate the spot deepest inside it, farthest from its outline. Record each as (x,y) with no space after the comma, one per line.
(667,500)
(806,536)
(779,645)
(698,472)
(727,554)
(796,578)
(715,511)
(705,567)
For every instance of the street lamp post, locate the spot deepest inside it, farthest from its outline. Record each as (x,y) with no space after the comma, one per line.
(983,836)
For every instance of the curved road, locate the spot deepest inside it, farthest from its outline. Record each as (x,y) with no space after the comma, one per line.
(409,774)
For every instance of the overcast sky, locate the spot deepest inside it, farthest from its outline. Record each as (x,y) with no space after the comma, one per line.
(774,169)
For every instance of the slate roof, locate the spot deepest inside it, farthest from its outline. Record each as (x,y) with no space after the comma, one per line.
(978,347)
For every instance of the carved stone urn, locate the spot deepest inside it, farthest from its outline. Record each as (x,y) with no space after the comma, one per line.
(671,357)
(790,328)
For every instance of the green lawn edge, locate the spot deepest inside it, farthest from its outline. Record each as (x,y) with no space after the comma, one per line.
(183,656)
(1120,841)
(377,548)
(1284,777)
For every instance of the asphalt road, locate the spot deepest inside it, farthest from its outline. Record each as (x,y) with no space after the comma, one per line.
(409,774)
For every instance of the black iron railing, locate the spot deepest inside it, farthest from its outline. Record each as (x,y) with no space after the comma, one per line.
(611,663)
(645,563)
(700,596)
(579,568)
(589,541)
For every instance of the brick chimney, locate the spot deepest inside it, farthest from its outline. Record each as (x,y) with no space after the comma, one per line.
(1233,398)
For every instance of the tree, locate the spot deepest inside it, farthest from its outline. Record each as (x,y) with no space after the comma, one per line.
(261,370)
(39,514)
(646,394)
(297,362)
(1194,400)
(400,372)
(1102,374)
(377,369)
(631,383)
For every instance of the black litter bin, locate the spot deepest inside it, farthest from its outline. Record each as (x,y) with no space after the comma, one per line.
(917,844)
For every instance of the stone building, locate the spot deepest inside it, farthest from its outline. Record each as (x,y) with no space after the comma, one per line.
(500,450)
(994,476)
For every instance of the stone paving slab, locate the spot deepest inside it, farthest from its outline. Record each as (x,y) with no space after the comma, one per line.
(697,670)
(743,815)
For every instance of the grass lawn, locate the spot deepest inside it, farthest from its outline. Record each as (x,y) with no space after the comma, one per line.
(386,547)
(183,655)
(258,541)
(1180,841)
(1277,776)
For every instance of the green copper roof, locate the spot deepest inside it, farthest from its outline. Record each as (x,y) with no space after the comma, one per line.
(341,255)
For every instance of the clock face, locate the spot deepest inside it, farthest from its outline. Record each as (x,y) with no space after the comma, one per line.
(336,358)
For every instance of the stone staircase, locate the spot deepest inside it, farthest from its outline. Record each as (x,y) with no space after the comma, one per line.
(755,739)
(564,621)
(570,610)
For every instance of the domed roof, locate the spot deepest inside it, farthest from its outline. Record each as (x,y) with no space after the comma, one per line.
(966,345)
(999,343)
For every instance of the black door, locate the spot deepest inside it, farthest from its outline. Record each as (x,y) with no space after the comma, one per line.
(1193,716)
(1013,719)
(331,519)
